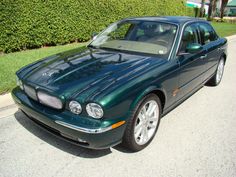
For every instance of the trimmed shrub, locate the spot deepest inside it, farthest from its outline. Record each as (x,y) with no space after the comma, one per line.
(35,23)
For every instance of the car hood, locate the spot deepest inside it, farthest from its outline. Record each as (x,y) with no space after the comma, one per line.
(85,74)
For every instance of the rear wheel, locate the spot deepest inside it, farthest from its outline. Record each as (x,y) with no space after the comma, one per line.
(143,125)
(215,80)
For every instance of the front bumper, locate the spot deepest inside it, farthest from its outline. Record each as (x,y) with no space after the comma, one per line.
(86,132)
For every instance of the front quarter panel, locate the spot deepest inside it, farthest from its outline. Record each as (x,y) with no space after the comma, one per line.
(121,102)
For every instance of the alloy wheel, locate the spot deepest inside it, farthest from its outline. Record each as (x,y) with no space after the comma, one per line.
(146,122)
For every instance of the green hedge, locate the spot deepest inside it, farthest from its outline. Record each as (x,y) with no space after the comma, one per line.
(35,23)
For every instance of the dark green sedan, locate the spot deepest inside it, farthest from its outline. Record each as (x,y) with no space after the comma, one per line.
(117,88)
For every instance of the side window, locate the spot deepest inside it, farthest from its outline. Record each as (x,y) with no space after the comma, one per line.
(207,33)
(189,36)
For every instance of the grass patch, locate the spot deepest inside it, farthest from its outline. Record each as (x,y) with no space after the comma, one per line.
(224,29)
(10,63)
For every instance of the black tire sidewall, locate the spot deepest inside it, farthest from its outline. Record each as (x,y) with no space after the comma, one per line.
(213,81)
(217,83)
(130,142)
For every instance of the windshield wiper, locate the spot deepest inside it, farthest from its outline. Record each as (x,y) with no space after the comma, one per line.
(92,46)
(113,49)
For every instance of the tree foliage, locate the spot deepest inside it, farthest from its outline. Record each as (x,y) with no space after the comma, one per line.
(35,23)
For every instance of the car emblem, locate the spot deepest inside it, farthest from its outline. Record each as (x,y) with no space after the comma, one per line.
(48,73)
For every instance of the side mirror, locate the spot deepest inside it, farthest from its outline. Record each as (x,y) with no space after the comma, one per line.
(193,48)
(94,35)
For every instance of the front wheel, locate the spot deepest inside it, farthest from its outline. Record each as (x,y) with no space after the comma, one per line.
(143,124)
(215,80)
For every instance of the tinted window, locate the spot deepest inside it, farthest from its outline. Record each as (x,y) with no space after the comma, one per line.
(207,33)
(189,37)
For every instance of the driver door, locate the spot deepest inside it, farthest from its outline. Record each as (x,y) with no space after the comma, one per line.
(191,65)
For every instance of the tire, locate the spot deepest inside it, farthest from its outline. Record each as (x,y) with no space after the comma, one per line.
(216,79)
(141,129)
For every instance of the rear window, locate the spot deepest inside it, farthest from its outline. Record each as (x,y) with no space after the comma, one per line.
(207,33)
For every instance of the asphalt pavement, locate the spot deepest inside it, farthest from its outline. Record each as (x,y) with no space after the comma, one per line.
(196,139)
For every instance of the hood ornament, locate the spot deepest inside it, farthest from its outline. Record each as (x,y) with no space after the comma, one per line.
(48,73)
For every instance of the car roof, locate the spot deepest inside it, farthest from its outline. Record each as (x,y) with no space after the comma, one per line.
(171,19)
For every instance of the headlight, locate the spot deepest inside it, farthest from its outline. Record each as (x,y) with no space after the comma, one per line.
(49,100)
(19,83)
(75,107)
(94,110)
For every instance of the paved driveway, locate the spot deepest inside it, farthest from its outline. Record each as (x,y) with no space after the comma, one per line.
(198,138)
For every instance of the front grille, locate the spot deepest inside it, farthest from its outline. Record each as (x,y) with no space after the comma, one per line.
(30,91)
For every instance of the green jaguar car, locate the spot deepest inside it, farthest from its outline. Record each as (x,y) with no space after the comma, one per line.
(117,88)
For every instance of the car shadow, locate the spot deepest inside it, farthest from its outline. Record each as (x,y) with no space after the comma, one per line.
(56,141)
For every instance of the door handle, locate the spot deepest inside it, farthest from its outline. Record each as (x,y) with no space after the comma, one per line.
(203,56)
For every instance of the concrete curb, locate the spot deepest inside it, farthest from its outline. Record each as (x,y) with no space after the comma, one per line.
(7,105)
(6,101)
(231,37)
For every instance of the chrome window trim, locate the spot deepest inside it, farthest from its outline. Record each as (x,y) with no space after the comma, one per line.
(172,48)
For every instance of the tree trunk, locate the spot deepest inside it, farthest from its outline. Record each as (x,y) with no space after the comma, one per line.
(214,8)
(222,8)
(209,16)
(202,9)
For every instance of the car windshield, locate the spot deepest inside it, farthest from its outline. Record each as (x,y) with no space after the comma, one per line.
(149,37)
